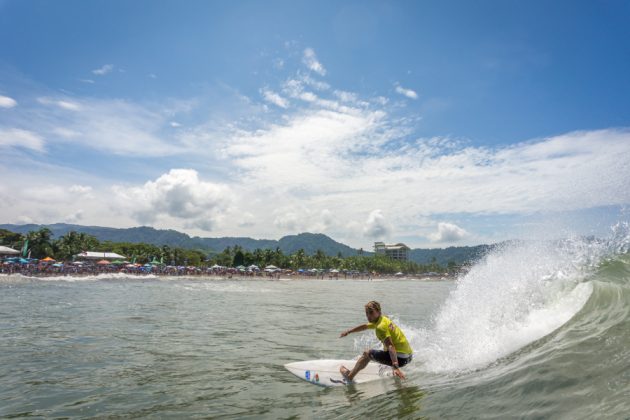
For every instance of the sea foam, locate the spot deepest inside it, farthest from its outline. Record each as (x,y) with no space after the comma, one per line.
(516,295)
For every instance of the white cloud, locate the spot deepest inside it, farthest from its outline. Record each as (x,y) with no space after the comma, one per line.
(308,96)
(74,217)
(80,189)
(353,159)
(310,60)
(448,232)
(50,193)
(278,63)
(122,128)
(296,218)
(306,152)
(24,220)
(175,124)
(15,137)
(345,96)
(272,97)
(112,126)
(178,195)
(376,226)
(327,220)
(6,102)
(89,81)
(69,105)
(61,103)
(65,132)
(152,75)
(293,88)
(288,221)
(406,92)
(316,84)
(105,69)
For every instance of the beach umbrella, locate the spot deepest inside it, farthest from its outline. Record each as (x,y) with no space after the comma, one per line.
(78,263)
(118,262)
(48,259)
(271,267)
(102,262)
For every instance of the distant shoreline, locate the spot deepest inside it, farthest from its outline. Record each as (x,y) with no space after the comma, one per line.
(214,276)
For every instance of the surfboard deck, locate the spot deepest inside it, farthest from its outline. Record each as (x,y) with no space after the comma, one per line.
(325,372)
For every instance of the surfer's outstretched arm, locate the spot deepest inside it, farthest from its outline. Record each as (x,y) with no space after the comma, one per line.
(358,328)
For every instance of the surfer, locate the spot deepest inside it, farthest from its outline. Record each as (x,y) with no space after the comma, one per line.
(397,351)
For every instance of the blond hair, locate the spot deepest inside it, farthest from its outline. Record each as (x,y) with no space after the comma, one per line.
(373,305)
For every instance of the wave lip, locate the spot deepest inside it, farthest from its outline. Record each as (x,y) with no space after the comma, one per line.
(517,295)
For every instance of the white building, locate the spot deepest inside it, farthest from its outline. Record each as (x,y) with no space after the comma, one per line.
(5,250)
(90,255)
(398,251)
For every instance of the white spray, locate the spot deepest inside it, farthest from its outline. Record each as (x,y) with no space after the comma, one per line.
(516,295)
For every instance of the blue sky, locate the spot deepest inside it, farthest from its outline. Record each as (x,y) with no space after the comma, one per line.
(434,123)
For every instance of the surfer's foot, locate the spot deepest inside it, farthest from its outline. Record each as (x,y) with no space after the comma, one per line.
(345,372)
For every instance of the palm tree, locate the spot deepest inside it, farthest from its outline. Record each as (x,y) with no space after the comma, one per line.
(11,239)
(72,243)
(40,243)
(320,258)
(299,258)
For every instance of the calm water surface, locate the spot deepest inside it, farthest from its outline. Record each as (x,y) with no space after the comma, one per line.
(187,347)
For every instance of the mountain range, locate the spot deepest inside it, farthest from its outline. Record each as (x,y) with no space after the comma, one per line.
(310,242)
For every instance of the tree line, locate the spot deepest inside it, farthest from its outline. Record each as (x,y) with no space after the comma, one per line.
(40,244)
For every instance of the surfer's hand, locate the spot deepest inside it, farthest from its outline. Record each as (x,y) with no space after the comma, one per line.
(399,373)
(343,334)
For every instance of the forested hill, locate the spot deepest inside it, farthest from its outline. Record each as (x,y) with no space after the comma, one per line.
(310,242)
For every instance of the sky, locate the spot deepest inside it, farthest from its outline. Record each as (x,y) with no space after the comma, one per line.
(433,123)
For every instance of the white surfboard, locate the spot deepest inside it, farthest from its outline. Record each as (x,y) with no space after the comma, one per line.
(326,372)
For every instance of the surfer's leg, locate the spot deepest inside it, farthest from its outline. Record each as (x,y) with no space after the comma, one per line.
(359,365)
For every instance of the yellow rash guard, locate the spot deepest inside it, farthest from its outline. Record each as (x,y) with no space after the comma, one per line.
(386,328)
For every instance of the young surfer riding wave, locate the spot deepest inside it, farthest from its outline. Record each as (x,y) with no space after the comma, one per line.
(397,351)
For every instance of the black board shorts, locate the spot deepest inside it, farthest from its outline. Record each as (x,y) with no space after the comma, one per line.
(382,357)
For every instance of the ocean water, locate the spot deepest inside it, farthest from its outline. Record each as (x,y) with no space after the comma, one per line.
(535,330)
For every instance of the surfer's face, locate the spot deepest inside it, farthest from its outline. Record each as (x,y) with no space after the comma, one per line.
(372,314)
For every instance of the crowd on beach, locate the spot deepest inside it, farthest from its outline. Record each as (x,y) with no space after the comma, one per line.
(51,268)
